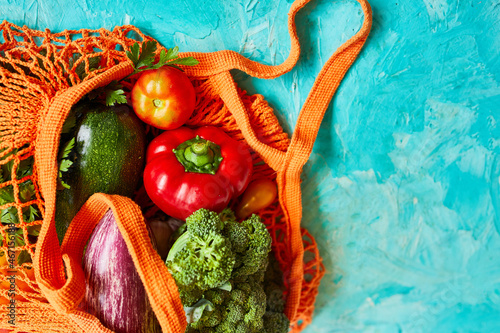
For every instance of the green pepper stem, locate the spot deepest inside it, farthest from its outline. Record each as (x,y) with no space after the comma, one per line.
(200,148)
(199,155)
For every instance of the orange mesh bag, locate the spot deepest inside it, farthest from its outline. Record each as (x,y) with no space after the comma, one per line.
(39,83)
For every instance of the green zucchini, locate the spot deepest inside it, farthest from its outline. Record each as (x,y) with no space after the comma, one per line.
(109,158)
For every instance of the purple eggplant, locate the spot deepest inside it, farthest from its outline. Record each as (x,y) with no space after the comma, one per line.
(115,293)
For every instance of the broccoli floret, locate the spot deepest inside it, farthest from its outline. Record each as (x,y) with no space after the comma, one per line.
(184,266)
(246,307)
(208,319)
(275,299)
(229,327)
(256,307)
(238,235)
(216,296)
(189,296)
(273,286)
(241,310)
(235,313)
(239,296)
(254,257)
(204,221)
(276,322)
(202,255)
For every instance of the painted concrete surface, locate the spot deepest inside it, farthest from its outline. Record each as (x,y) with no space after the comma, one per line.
(402,188)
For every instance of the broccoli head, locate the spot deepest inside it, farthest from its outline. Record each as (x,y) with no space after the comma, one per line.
(273,286)
(216,296)
(254,257)
(239,310)
(227,215)
(238,234)
(220,261)
(204,221)
(202,255)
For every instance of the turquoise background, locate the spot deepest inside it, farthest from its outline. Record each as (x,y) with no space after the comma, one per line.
(402,188)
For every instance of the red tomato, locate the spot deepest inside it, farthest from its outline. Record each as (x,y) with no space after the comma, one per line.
(164,97)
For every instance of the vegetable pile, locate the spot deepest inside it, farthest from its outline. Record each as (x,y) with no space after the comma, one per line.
(184,179)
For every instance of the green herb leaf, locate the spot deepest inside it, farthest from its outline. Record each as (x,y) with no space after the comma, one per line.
(9,215)
(64,160)
(6,195)
(162,61)
(144,56)
(145,60)
(113,93)
(147,56)
(25,167)
(26,191)
(32,214)
(64,184)
(65,164)
(115,97)
(67,149)
(133,54)
(80,69)
(188,61)
(173,53)
(7,167)
(163,57)
(19,237)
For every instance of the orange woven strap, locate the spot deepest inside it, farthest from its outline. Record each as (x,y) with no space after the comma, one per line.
(159,284)
(289,165)
(304,136)
(222,61)
(226,87)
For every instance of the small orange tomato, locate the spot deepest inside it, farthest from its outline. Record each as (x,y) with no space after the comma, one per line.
(163,97)
(259,194)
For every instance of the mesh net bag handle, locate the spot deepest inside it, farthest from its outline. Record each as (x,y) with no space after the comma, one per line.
(289,164)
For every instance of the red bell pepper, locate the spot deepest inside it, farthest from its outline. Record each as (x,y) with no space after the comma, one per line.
(191,169)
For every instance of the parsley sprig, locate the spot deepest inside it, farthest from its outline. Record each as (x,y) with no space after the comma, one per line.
(64,161)
(144,60)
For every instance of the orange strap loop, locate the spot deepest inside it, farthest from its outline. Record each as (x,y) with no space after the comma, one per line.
(152,270)
(223,61)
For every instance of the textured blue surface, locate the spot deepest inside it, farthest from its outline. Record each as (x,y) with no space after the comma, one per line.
(402,189)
